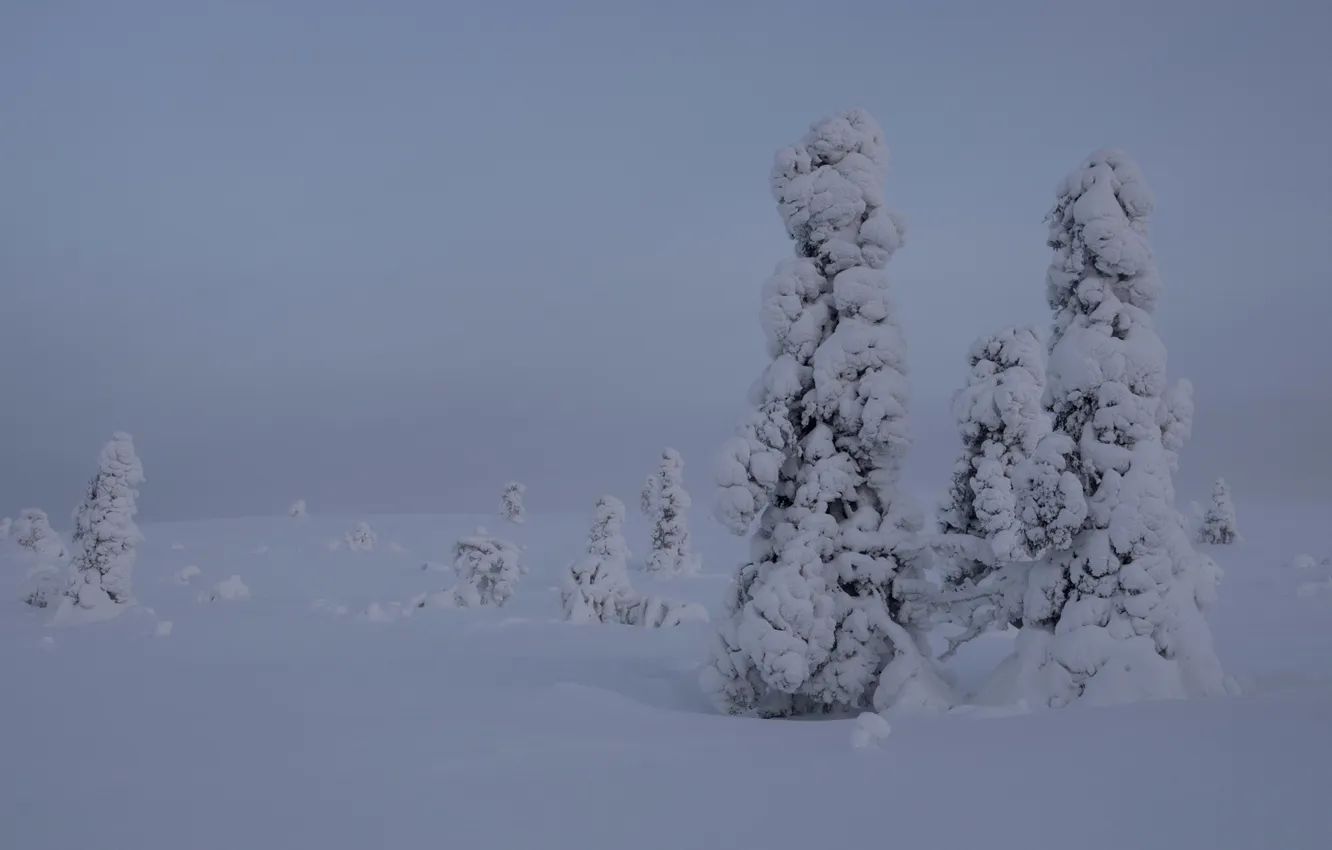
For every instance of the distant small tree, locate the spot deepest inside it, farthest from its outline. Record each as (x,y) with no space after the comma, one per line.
(597,587)
(362,538)
(594,584)
(106,538)
(1218,524)
(297,509)
(665,503)
(488,570)
(511,502)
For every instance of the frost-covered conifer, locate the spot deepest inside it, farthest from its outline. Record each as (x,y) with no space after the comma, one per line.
(297,509)
(1116,614)
(595,584)
(1218,524)
(665,502)
(815,620)
(597,587)
(487,568)
(984,528)
(511,502)
(105,536)
(362,538)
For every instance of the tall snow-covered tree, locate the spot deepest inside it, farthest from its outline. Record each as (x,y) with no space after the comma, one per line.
(597,587)
(814,620)
(298,510)
(488,570)
(511,502)
(984,528)
(665,503)
(1218,524)
(106,538)
(1116,614)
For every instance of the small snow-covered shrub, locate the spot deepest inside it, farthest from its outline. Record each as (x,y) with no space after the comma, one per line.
(487,568)
(1218,525)
(227,590)
(362,538)
(32,530)
(1303,562)
(106,538)
(664,503)
(654,612)
(511,502)
(297,509)
(188,574)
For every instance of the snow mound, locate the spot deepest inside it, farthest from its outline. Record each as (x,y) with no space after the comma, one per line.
(162,629)
(1303,562)
(871,729)
(227,590)
(188,574)
(178,547)
(387,613)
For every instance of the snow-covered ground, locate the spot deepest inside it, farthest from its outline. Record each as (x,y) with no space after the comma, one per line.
(310,713)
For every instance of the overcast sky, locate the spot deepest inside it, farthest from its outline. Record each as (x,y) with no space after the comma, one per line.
(385,256)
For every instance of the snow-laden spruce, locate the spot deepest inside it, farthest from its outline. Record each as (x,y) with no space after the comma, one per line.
(665,503)
(106,538)
(511,502)
(597,587)
(815,621)
(1116,614)
(1218,524)
(488,569)
(983,522)
(362,538)
(298,510)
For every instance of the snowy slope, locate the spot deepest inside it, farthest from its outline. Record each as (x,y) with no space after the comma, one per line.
(271,721)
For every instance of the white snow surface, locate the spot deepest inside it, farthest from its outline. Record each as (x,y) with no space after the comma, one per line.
(279,723)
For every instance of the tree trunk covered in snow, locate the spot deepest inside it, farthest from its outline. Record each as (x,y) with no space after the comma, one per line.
(814,620)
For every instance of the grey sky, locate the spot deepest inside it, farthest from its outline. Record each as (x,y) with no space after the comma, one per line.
(386,256)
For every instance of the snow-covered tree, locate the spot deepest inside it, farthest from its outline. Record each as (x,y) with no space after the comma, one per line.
(297,509)
(511,502)
(487,568)
(597,587)
(665,503)
(362,538)
(106,538)
(595,584)
(1116,614)
(32,530)
(982,522)
(815,621)
(1218,524)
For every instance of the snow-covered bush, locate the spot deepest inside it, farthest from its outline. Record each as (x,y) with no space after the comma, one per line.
(511,502)
(597,587)
(664,503)
(1218,524)
(106,538)
(362,538)
(298,510)
(227,590)
(487,568)
(32,530)
(188,574)
(1114,615)
(815,621)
